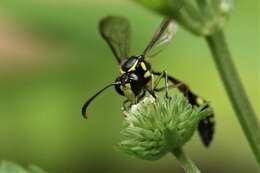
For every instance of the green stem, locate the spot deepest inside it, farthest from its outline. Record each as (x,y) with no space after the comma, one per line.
(185,161)
(235,91)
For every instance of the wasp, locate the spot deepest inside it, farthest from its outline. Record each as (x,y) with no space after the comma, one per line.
(137,76)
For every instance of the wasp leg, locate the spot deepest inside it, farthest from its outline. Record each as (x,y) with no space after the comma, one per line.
(178,84)
(206,126)
(150,91)
(163,88)
(164,75)
(126,105)
(193,98)
(166,84)
(139,98)
(156,83)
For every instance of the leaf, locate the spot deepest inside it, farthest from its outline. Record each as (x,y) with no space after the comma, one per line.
(36,169)
(9,167)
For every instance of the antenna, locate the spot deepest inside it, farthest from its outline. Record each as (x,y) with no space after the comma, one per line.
(87,103)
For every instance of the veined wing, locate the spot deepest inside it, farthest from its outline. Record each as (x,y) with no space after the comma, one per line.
(161,37)
(116,32)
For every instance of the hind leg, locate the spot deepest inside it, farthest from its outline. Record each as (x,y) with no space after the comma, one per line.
(162,75)
(206,126)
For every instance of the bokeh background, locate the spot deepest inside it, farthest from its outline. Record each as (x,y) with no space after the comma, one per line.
(52,58)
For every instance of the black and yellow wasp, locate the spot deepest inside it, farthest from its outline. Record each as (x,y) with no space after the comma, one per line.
(137,76)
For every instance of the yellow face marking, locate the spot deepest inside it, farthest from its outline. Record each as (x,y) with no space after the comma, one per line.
(121,71)
(128,85)
(133,67)
(200,101)
(147,74)
(143,66)
(128,92)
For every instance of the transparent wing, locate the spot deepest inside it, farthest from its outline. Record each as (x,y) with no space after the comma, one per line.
(116,32)
(161,38)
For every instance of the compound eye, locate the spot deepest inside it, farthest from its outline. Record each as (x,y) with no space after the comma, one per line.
(133,76)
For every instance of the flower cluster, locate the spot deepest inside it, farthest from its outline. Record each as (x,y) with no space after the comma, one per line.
(154,127)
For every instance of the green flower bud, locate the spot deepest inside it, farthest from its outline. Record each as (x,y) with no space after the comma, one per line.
(155,127)
(201,17)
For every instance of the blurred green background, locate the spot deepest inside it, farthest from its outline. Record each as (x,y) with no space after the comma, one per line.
(52,58)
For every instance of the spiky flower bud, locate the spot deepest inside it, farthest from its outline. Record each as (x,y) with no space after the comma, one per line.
(155,127)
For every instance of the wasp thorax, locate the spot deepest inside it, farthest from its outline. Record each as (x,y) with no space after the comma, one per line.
(130,64)
(135,63)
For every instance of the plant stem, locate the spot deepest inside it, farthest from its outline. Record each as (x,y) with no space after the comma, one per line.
(235,91)
(185,161)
